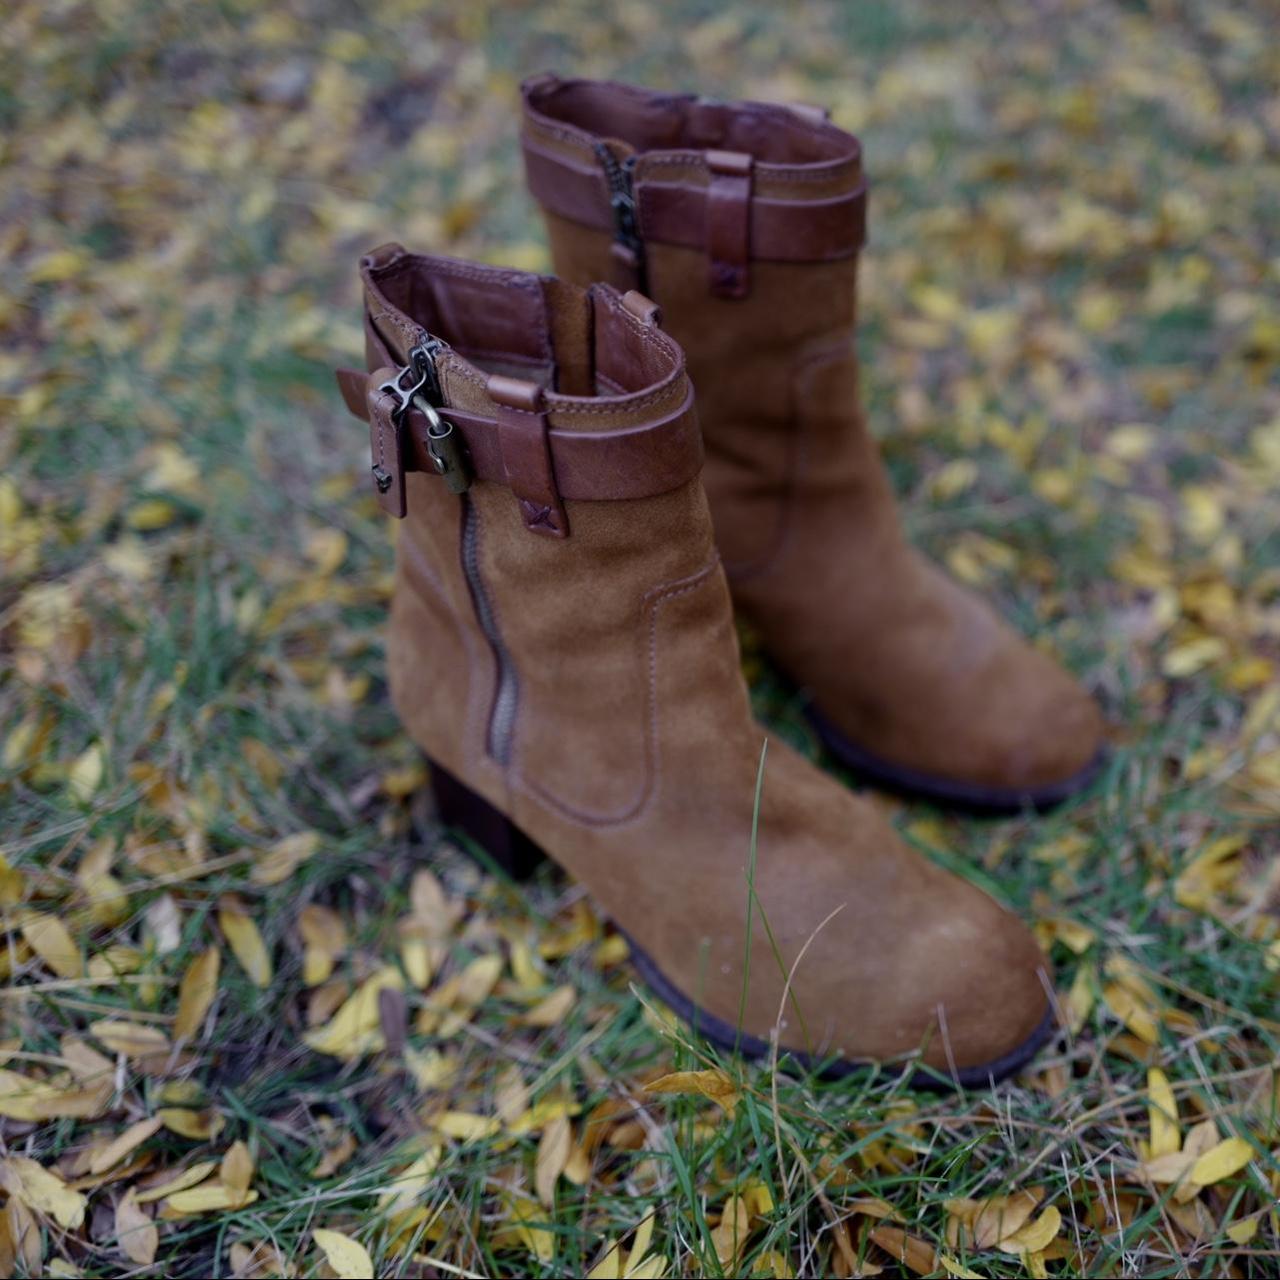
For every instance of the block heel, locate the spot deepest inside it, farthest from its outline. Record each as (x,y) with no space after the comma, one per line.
(490,832)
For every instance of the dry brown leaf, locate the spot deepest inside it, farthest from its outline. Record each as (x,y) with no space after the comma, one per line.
(915,1254)
(196,992)
(136,1234)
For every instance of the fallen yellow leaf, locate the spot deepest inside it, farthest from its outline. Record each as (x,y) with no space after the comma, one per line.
(348,1257)
(197,1125)
(196,992)
(85,775)
(207,1198)
(466,1126)
(135,1232)
(1162,1114)
(553,1155)
(1221,1162)
(729,1236)
(176,1181)
(356,1028)
(132,1138)
(42,1191)
(713,1083)
(284,857)
(1034,1236)
(552,1010)
(244,939)
(236,1170)
(49,939)
(132,1039)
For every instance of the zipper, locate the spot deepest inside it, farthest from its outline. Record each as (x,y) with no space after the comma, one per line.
(622,200)
(506,692)
(449,456)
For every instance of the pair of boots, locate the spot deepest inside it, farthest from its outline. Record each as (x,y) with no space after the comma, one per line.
(562,643)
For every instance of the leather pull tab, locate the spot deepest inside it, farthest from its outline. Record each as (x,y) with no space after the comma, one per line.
(526,454)
(810,112)
(386,445)
(729,222)
(644,309)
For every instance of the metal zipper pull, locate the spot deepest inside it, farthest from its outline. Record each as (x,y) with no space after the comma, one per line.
(447,451)
(628,247)
(444,444)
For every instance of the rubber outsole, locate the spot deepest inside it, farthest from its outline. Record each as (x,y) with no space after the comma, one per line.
(970,797)
(499,843)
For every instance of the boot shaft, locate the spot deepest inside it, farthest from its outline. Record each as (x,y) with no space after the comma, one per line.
(530,608)
(766,315)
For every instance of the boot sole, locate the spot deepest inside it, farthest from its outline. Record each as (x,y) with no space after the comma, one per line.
(971,797)
(498,843)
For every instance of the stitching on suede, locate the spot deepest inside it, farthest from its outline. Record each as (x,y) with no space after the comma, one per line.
(651,603)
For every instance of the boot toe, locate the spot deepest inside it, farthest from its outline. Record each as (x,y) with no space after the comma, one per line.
(1056,733)
(993,1007)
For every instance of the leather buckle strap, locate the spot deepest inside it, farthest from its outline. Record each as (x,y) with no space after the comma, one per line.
(516,445)
(818,229)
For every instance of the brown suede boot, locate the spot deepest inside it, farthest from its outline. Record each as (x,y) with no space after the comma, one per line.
(744,221)
(562,647)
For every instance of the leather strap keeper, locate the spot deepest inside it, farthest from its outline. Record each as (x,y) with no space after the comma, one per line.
(729,222)
(526,455)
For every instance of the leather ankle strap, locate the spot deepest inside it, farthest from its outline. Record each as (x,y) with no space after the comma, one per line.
(802,198)
(545,449)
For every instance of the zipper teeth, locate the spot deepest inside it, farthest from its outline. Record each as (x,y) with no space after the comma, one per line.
(502,714)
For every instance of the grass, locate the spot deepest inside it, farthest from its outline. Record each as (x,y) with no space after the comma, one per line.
(1071,285)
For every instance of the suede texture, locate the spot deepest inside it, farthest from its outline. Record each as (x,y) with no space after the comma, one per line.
(632,756)
(904,662)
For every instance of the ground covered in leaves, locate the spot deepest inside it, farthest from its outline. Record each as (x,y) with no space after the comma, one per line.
(260,1017)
